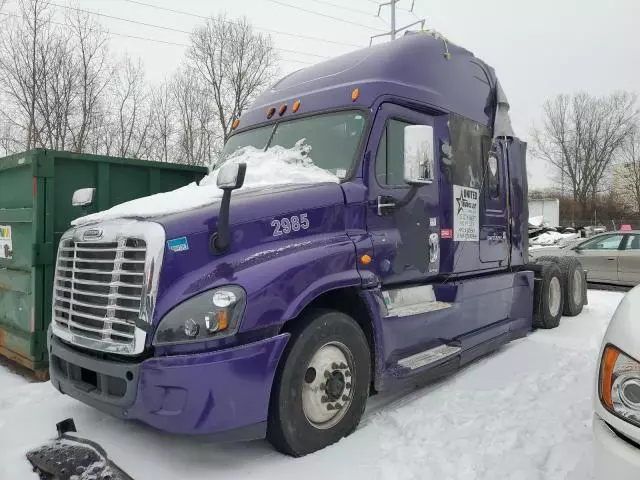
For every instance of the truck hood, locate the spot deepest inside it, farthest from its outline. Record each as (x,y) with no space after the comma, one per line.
(266,170)
(315,213)
(268,203)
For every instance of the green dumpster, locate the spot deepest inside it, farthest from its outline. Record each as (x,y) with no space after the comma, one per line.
(36,188)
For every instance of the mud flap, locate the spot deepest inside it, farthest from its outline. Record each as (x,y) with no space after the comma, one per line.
(70,457)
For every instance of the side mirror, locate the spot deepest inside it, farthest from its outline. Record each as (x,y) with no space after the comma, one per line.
(418,154)
(83,197)
(231,176)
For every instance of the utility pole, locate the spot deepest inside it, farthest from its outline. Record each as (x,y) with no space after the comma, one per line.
(392,4)
(394,31)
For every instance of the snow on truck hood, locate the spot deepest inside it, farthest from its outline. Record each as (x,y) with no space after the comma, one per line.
(277,166)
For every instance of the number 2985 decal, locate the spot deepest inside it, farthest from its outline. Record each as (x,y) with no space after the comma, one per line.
(286,225)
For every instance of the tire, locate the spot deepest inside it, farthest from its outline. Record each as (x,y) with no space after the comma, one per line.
(548,296)
(298,423)
(573,283)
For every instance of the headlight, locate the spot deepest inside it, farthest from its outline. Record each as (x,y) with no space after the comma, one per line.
(620,384)
(212,314)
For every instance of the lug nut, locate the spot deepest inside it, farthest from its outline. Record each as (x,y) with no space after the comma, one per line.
(344,398)
(348,385)
(327,374)
(343,365)
(324,399)
(335,366)
(347,373)
(338,406)
(330,407)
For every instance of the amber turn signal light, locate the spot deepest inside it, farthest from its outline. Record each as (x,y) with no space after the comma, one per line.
(609,359)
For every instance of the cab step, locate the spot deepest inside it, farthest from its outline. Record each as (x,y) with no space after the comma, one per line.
(428,357)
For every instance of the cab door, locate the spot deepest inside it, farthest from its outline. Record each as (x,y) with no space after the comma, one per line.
(405,238)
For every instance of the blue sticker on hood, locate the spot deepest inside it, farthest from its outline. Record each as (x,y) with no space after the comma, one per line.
(178,244)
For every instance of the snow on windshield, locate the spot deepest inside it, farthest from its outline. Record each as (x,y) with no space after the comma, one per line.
(276,166)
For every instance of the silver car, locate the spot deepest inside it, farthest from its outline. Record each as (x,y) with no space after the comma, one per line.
(612,257)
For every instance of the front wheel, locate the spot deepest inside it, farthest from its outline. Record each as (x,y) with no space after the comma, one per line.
(321,388)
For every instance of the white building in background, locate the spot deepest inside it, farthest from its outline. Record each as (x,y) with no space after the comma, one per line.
(548,209)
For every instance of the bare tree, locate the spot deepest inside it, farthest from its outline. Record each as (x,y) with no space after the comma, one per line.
(196,120)
(630,168)
(163,128)
(60,90)
(94,72)
(133,117)
(236,64)
(56,93)
(20,66)
(581,136)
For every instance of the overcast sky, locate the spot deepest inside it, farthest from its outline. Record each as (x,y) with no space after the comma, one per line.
(539,48)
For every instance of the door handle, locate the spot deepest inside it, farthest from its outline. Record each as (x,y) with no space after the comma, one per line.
(385,203)
(611,259)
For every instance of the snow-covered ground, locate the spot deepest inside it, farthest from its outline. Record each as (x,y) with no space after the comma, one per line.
(522,413)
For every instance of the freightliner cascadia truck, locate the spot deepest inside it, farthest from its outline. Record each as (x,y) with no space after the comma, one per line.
(393,249)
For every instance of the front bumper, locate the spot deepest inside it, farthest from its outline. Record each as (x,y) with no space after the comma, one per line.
(615,458)
(221,392)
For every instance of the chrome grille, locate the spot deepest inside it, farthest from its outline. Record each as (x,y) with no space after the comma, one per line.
(98,290)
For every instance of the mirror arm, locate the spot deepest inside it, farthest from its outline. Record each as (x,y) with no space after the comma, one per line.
(408,197)
(221,239)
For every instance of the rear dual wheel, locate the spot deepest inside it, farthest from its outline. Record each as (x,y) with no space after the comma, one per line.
(573,283)
(548,297)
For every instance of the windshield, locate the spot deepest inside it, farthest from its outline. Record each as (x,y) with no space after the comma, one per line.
(333,138)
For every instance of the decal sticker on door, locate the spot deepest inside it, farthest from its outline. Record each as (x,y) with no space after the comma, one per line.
(465,214)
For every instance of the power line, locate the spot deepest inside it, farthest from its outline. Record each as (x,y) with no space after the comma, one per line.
(277,32)
(392,4)
(375,2)
(104,31)
(278,2)
(348,9)
(68,7)
(136,37)
(161,27)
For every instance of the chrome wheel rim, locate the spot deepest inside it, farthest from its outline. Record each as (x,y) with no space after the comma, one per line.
(577,286)
(555,294)
(327,386)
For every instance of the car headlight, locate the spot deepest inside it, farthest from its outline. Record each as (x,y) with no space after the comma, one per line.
(620,384)
(210,315)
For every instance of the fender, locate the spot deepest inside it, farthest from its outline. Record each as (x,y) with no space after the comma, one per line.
(280,278)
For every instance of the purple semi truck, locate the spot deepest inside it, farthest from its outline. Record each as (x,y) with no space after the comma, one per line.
(277,310)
